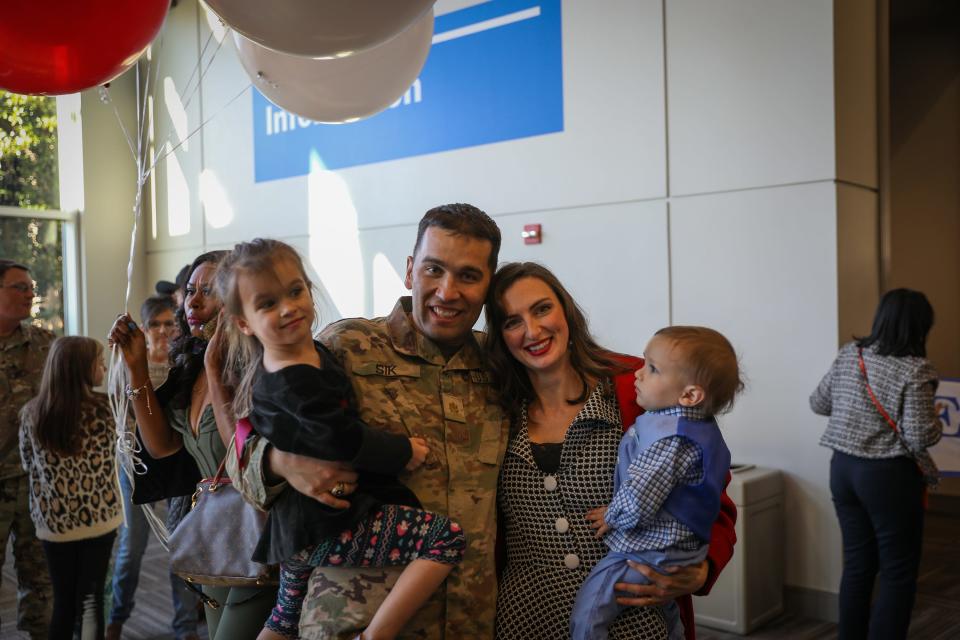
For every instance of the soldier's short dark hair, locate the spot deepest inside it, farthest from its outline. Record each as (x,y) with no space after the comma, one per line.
(6,264)
(462,219)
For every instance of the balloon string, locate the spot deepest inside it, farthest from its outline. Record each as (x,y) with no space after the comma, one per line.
(139,160)
(204,71)
(201,126)
(129,461)
(196,68)
(105,97)
(154,62)
(128,448)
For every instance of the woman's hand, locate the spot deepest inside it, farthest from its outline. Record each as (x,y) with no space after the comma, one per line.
(420,451)
(317,479)
(596,519)
(679,581)
(133,344)
(214,354)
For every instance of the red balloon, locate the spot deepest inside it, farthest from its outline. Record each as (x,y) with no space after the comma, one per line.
(54,47)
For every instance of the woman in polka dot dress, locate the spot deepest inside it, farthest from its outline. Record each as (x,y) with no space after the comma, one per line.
(570,400)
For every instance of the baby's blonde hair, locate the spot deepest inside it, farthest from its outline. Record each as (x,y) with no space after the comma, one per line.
(245,353)
(707,359)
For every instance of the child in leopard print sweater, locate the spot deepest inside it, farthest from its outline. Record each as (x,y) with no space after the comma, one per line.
(66,447)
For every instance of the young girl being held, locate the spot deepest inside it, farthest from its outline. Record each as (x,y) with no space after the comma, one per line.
(298,397)
(66,447)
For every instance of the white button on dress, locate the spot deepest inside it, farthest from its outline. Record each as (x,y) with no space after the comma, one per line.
(550,483)
(563,525)
(571,561)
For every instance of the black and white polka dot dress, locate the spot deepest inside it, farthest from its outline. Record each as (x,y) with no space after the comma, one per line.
(550,546)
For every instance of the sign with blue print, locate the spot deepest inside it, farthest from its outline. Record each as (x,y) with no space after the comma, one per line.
(494,73)
(946,453)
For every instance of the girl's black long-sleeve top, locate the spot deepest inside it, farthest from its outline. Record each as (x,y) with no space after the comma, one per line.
(310,411)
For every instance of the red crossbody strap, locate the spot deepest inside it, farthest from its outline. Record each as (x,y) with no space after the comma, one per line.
(876,403)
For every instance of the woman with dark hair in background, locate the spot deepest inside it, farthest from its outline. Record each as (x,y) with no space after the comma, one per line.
(879,395)
(66,447)
(179,415)
(570,400)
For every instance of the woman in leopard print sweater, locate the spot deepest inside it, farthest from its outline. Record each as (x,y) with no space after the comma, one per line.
(66,446)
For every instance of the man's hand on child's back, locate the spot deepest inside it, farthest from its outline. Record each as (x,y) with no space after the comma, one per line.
(596,519)
(420,451)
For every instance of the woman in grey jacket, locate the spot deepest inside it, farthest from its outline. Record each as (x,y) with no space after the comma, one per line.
(879,395)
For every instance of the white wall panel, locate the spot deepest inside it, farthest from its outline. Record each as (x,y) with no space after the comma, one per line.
(614,261)
(165,265)
(176,110)
(760,266)
(385,252)
(248,210)
(106,220)
(750,93)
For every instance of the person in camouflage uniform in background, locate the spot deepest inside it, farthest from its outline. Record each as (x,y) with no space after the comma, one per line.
(416,372)
(23,352)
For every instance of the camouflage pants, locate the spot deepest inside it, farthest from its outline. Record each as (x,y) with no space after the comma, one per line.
(34,593)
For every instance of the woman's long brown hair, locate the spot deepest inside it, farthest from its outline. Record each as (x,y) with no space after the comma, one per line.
(66,386)
(589,359)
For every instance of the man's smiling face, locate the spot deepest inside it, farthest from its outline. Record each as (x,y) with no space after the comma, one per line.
(449,277)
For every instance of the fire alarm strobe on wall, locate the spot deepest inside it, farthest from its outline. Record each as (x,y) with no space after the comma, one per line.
(531,234)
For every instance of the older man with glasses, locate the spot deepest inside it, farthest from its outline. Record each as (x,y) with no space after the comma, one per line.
(23,352)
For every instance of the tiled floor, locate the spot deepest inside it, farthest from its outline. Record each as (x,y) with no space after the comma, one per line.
(936,617)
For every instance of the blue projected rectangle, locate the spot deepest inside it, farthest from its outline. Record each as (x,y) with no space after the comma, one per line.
(494,73)
(946,453)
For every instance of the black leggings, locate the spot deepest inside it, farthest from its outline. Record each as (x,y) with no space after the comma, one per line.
(77,571)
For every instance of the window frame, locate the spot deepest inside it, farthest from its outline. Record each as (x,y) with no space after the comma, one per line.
(72,316)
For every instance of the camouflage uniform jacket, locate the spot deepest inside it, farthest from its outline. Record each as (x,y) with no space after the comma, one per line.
(22,356)
(404,385)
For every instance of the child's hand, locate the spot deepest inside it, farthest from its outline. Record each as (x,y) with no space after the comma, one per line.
(420,451)
(595,517)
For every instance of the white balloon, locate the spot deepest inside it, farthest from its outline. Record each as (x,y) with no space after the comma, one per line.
(319,28)
(340,89)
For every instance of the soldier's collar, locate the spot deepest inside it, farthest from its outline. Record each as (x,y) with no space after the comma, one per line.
(20,335)
(408,341)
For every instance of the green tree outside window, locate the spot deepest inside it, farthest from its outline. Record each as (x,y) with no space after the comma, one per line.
(29,180)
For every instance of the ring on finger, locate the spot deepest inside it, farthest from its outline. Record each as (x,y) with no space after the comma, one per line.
(339,490)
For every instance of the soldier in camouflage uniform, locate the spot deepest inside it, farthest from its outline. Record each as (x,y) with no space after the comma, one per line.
(23,351)
(417,372)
